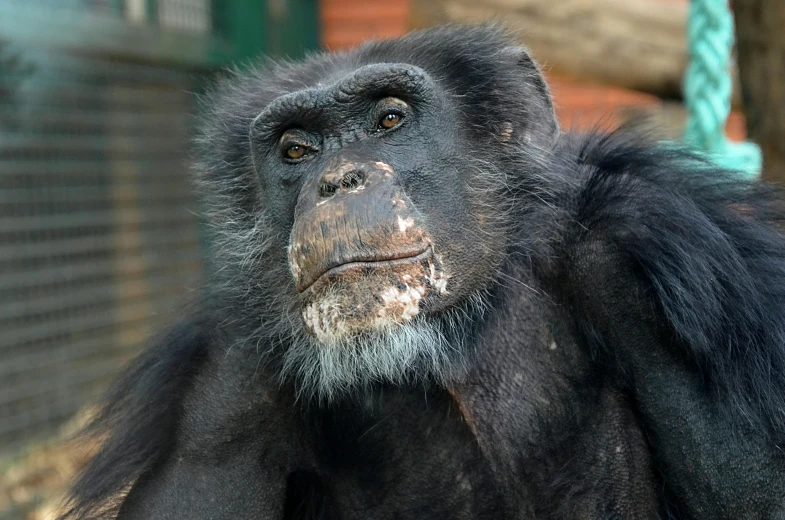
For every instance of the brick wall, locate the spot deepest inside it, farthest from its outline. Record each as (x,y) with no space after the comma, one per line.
(345,23)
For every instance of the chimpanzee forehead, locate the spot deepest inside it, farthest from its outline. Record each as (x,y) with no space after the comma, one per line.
(373,81)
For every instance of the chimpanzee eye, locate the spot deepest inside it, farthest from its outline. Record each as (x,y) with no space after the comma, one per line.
(390,112)
(295,145)
(390,120)
(294,151)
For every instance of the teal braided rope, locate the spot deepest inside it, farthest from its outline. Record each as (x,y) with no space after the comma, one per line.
(708,87)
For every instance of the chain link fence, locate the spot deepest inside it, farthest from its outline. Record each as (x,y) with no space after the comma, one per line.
(99,237)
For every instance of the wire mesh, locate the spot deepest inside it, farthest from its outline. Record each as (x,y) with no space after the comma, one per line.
(189,15)
(99,239)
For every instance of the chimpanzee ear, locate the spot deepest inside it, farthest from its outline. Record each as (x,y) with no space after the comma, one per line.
(540,103)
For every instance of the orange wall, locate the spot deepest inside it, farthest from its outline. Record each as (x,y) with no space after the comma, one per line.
(345,23)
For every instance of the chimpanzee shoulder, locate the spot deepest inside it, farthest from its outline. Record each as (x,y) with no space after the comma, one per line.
(142,411)
(705,245)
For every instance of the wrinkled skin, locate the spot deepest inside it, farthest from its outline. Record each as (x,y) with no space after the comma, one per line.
(431,303)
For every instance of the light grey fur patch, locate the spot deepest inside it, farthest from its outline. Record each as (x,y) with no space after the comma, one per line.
(423,347)
(396,354)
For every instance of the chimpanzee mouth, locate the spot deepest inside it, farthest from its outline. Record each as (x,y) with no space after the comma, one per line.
(362,265)
(355,298)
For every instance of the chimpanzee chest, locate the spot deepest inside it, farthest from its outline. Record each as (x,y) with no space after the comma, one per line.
(410,455)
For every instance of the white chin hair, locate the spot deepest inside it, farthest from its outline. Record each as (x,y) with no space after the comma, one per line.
(327,368)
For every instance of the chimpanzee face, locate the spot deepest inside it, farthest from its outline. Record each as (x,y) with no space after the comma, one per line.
(366,202)
(384,227)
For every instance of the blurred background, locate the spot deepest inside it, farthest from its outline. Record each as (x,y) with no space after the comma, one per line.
(100,238)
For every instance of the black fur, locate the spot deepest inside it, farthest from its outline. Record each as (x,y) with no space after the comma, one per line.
(142,411)
(625,357)
(710,246)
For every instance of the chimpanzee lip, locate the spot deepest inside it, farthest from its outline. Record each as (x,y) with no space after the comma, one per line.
(356,264)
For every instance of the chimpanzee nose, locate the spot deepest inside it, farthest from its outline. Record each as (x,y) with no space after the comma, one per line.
(346,178)
(353,212)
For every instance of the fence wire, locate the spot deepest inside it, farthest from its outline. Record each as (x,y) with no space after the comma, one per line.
(99,238)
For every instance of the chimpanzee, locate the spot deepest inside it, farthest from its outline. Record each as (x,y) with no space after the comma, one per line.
(430,302)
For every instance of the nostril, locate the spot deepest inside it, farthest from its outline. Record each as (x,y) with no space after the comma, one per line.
(327,190)
(352,180)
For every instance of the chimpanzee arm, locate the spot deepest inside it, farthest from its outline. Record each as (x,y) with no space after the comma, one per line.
(183,436)
(233,449)
(677,275)
(239,486)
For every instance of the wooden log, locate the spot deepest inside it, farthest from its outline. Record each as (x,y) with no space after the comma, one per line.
(761,45)
(639,44)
